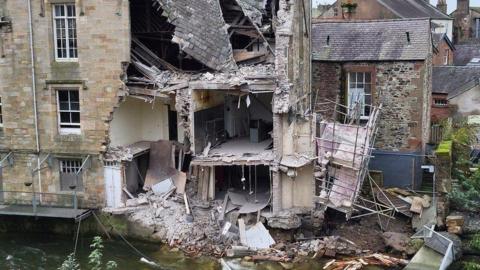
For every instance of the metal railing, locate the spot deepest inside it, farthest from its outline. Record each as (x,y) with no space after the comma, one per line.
(39,199)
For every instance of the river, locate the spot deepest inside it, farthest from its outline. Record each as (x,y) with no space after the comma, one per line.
(37,251)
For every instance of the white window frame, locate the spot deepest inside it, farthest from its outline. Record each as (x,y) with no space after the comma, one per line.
(68,35)
(361,93)
(446,56)
(1,112)
(68,130)
(71,166)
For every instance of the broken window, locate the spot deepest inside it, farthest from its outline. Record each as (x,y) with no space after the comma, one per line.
(65,32)
(70,174)
(359,93)
(1,114)
(68,103)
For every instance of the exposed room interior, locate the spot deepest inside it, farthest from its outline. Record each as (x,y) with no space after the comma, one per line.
(232,122)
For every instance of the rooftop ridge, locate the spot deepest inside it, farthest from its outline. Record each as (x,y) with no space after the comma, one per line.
(368,21)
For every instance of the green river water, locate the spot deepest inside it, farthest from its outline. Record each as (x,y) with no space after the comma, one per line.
(19,251)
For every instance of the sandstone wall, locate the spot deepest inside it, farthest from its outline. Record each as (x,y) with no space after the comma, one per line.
(103,44)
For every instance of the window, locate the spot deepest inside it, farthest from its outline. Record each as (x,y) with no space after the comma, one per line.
(440,102)
(65,32)
(477,27)
(359,92)
(68,104)
(69,179)
(1,114)
(446,56)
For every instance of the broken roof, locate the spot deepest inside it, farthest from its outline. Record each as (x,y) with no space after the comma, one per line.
(413,9)
(465,52)
(375,40)
(201,31)
(452,80)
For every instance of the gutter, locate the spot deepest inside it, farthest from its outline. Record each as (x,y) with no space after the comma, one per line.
(34,95)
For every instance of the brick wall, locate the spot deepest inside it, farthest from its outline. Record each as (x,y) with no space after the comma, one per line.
(326,84)
(103,44)
(443,50)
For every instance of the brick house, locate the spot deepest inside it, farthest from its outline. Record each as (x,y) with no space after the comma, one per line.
(387,62)
(86,88)
(455,92)
(392,9)
(443,50)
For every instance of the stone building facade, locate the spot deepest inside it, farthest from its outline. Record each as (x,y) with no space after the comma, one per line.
(30,109)
(398,79)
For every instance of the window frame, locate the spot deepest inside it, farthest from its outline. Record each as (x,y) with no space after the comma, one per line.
(440,104)
(68,130)
(65,19)
(446,57)
(1,113)
(65,170)
(371,83)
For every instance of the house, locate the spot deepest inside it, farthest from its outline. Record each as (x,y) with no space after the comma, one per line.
(466,22)
(375,62)
(455,91)
(393,9)
(443,50)
(99,101)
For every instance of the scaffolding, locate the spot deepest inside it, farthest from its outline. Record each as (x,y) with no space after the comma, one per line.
(345,139)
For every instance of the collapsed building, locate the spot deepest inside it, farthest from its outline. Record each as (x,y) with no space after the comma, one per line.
(94,97)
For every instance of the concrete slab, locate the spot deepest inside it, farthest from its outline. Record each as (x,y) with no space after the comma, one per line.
(425,259)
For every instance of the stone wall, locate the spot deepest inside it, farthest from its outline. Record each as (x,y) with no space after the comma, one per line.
(326,84)
(403,88)
(103,33)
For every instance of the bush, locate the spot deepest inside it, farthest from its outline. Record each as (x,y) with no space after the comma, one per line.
(94,259)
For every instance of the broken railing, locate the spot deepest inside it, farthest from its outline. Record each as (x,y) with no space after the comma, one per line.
(345,139)
(438,243)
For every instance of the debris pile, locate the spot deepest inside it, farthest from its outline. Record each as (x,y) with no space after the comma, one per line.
(359,263)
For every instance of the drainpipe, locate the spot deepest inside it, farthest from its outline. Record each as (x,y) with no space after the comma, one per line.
(34,95)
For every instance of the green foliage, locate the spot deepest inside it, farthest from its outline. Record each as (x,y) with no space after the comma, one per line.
(94,259)
(471,266)
(70,263)
(465,196)
(475,242)
(444,148)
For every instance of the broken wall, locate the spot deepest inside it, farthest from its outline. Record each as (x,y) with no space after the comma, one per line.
(136,120)
(292,101)
(298,191)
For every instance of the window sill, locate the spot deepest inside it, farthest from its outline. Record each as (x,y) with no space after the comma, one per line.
(68,60)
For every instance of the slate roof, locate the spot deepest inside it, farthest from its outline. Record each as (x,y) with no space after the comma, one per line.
(464,52)
(377,40)
(413,9)
(453,80)
(201,31)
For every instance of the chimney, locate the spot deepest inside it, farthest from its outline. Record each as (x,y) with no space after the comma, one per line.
(463,6)
(442,6)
